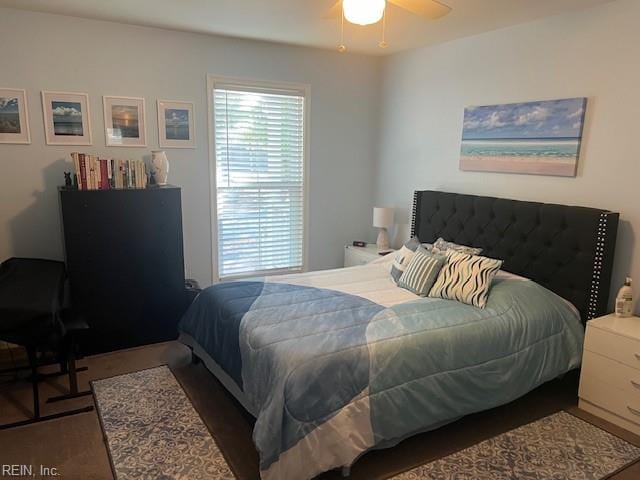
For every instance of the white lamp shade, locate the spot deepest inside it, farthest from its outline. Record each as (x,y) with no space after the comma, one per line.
(383,217)
(363,12)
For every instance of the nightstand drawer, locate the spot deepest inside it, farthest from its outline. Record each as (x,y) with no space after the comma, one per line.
(617,347)
(604,370)
(616,401)
(355,256)
(360,258)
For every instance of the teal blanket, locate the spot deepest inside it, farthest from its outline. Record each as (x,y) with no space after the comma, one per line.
(333,375)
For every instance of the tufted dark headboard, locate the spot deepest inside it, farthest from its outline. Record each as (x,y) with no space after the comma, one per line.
(568,250)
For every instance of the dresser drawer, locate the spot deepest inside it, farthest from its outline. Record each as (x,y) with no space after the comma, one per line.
(611,372)
(617,401)
(617,347)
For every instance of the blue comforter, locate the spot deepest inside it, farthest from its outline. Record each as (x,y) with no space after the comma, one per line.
(332,375)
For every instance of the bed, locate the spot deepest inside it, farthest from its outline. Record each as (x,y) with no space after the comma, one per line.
(335,363)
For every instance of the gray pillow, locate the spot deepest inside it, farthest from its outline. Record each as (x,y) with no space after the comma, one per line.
(421,272)
(403,257)
(412,244)
(442,246)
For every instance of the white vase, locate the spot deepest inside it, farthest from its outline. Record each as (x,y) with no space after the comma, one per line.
(159,167)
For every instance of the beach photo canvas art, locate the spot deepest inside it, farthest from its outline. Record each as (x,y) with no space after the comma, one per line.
(9,115)
(124,120)
(66,118)
(541,138)
(176,124)
(14,118)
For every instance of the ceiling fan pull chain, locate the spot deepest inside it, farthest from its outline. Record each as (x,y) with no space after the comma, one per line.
(383,43)
(342,47)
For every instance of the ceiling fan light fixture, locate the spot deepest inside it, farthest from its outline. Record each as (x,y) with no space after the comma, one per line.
(363,12)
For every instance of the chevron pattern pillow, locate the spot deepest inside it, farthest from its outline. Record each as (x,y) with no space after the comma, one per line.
(421,273)
(466,278)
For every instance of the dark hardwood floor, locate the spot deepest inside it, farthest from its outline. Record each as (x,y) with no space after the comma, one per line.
(75,445)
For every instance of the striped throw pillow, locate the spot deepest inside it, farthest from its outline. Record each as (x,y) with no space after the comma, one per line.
(421,272)
(466,278)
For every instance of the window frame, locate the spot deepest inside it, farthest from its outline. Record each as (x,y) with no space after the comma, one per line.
(245,84)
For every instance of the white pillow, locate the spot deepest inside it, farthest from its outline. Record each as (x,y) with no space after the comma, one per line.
(403,257)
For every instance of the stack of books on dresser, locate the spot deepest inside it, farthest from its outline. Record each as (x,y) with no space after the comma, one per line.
(95,173)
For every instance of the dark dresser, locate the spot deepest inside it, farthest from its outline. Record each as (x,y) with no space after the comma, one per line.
(125,264)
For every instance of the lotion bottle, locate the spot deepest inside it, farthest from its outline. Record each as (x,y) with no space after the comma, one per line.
(624,300)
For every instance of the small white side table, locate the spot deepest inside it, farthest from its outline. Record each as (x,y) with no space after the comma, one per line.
(354,256)
(610,377)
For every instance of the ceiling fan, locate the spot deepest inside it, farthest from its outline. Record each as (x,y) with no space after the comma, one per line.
(368,12)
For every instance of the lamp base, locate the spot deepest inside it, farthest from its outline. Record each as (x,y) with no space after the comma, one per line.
(383,240)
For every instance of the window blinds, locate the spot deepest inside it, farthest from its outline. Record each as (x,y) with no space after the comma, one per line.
(259,139)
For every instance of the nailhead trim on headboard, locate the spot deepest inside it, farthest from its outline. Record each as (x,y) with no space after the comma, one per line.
(413,213)
(597,267)
(567,249)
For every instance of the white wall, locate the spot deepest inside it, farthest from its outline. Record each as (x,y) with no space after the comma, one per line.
(593,54)
(49,52)
(405,111)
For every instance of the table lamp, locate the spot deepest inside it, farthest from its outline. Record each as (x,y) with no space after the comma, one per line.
(383,219)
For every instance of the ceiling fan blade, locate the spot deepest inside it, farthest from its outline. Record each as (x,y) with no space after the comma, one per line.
(431,9)
(335,11)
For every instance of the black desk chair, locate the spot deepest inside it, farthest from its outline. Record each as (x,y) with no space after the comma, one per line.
(31,315)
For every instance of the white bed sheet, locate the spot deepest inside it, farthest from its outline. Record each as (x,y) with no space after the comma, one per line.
(371,281)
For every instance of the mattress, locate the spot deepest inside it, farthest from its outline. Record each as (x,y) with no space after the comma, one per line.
(335,363)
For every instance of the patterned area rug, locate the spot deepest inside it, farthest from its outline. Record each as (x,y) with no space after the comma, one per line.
(557,447)
(153,431)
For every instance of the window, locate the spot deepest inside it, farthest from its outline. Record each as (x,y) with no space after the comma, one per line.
(259,138)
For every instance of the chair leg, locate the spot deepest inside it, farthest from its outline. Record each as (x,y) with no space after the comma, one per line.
(72,371)
(33,362)
(73,377)
(20,368)
(35,378)
(45,418)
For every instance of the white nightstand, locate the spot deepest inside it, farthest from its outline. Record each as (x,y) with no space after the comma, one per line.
(360,255)
(610,378)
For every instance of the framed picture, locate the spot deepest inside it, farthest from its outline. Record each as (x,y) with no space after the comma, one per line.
(176,127)
(539,138)
(124,122)
(67,119)
(14,116)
